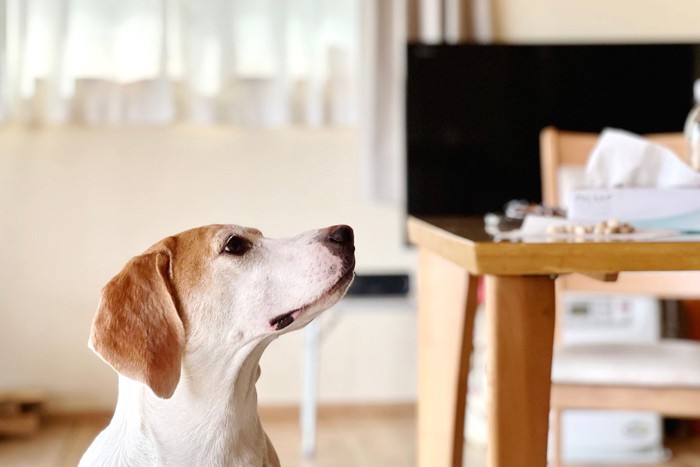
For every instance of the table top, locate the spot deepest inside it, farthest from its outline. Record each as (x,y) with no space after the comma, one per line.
(464,241)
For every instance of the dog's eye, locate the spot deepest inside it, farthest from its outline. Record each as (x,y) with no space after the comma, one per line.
(237,245)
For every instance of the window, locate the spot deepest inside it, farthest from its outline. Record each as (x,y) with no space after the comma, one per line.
(145,62)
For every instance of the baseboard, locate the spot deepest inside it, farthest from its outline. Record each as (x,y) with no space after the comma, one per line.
(273,412)
(78,415)
(345,411)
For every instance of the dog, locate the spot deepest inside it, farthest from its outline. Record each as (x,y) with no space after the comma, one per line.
(184,325)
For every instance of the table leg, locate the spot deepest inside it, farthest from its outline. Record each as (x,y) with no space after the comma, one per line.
(520,317)
(446,306)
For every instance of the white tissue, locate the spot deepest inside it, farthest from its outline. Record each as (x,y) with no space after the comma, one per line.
(623,159)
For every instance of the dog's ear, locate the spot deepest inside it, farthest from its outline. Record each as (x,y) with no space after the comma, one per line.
(137,329)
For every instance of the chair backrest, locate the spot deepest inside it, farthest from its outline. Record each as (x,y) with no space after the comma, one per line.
(572,148)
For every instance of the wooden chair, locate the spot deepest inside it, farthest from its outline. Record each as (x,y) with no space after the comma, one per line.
(674,393)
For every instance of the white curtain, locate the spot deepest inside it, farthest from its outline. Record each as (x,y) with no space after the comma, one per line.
(383,123)
(153,62)
(388,26)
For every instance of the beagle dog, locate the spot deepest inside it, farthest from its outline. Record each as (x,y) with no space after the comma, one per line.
(184,325)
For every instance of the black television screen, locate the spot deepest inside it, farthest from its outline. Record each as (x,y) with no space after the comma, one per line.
(474,112)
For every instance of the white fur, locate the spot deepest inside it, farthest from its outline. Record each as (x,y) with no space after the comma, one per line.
(212,419)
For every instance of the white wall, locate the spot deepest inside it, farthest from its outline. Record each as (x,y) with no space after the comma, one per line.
(596,20)
(75,204)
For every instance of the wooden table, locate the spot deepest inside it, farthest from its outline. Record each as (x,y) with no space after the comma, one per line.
(520,304)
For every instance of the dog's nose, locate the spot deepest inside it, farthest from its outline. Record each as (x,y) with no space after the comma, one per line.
(341,234)
(340,240)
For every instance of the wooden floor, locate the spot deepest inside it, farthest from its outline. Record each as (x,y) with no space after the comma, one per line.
(377,437)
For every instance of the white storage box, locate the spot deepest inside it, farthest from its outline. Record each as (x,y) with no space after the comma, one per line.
(612,437)
(597,323)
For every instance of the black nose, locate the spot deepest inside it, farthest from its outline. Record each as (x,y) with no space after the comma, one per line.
(341,234)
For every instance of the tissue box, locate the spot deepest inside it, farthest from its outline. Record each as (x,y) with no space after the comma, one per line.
(667,208)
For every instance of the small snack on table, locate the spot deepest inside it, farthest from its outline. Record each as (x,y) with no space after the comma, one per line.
(609,227)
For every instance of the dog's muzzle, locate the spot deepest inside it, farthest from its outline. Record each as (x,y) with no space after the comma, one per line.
(340,240)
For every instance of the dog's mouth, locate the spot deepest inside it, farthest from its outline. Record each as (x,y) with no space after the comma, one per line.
(284,320)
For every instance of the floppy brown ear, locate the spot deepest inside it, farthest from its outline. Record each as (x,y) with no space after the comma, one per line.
(137,329)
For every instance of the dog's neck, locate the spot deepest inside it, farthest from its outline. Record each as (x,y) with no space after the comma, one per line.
(211,419)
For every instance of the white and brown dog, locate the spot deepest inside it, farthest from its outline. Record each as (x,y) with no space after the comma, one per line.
(184,325)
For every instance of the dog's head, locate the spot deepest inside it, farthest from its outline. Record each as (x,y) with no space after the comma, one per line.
(215,288)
